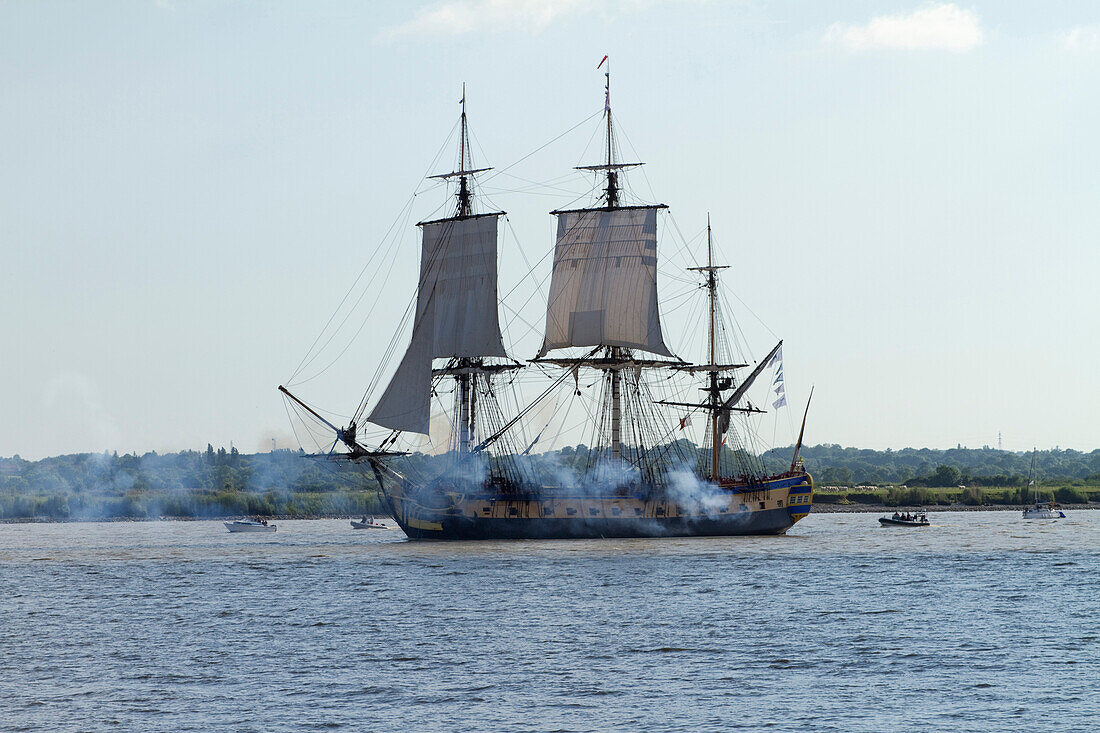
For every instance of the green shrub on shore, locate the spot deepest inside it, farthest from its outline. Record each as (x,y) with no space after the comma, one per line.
(916,496)
(1070,495)
(972,496)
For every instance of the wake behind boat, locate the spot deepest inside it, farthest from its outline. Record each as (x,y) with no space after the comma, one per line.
(248,525)
(905,519)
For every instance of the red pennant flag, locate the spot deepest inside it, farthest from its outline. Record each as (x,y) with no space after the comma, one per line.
(601,62)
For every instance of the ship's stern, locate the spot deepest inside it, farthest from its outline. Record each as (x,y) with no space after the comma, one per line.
(800,499)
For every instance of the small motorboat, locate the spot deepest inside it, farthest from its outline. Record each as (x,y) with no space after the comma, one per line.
(1040,510)
(248,525)
(368,523)
(905,519)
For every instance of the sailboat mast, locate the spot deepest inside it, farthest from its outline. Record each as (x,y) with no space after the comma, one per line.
(616,411)
(712,286)
(612,174)
(463,412)
(465,401)
(614,352)
(463,187)
(604,276)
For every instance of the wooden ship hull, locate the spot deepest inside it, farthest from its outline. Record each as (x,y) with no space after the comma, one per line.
(770,507)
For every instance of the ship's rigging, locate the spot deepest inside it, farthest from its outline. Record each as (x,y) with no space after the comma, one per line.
(603,299)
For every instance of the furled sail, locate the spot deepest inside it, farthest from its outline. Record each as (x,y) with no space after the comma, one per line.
(456,314)
(603,289)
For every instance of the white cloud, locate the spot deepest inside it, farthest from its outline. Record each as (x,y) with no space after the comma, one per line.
(456,17)
(1082,39)
(945,26)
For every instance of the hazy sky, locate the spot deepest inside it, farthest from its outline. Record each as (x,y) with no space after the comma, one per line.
(909,193)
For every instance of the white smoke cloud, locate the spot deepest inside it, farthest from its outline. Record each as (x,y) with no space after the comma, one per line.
(72,399)
(945,27)
(695,495)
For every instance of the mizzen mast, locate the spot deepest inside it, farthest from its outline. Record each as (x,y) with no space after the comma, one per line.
(713,368)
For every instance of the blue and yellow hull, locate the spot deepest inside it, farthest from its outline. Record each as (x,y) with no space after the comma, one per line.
(768,507)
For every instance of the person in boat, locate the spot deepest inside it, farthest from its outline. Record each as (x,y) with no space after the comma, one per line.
(897,516)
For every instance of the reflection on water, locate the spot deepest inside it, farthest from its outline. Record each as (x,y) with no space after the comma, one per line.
(981,622)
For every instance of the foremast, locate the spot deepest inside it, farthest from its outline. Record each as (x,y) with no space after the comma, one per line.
(456,316)
(465,369)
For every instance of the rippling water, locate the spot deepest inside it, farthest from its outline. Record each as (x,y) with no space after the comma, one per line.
(983,622)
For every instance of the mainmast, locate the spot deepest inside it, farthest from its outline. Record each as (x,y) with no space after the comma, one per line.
(466,408)
(614,352)
(603,291)
(463,147)
(612,175)
(712,287)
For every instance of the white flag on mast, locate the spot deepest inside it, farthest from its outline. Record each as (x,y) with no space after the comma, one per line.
(777,383)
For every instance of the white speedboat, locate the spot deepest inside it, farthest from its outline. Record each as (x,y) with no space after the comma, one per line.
(370,523)
(1040,510)
(247,525)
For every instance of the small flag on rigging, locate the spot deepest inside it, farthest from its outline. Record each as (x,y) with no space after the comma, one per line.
(685,421)
(601,62)
(777,383)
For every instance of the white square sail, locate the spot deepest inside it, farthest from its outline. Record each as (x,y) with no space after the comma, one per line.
(603,290)
(456,315)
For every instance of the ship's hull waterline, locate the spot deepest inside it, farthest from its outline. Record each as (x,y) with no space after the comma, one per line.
(768,508)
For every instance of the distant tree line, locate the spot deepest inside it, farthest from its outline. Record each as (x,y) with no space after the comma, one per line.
(832,465)
(218,483)
(210,483)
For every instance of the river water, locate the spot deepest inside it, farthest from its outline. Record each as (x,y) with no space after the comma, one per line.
(982,622)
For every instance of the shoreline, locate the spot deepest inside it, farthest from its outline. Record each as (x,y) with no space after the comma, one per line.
(933,508)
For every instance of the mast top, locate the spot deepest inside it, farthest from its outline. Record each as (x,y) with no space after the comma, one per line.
(710,266)
(611,167)
(465,165)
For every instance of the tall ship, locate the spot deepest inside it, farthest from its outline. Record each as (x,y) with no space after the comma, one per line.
(603,360)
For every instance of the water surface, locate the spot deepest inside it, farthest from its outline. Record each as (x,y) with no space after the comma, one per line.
(982,622)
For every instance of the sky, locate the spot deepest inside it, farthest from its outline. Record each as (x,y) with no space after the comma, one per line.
(907,193)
